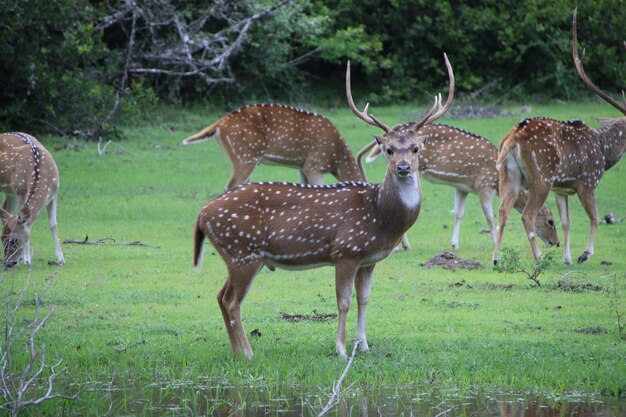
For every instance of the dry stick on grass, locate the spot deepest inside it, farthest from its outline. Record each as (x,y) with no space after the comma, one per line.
(25,387)
(108,241)
(337,386)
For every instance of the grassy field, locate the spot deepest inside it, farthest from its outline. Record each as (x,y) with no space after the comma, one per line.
(130,317)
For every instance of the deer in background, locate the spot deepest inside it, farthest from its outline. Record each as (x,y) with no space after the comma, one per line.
(283,135)
(351,226)
(467,162)
(565,157)
(30,179)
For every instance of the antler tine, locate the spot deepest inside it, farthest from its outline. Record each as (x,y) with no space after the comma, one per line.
(431,116)
(361,114)
(578,63)
(427,116)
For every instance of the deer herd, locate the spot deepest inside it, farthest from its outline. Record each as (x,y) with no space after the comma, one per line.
(353,224)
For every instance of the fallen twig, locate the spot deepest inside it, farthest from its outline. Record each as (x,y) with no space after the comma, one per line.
(108,241)
(337,386)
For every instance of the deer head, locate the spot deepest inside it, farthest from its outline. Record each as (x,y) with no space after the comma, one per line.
(401,144)
(15,233)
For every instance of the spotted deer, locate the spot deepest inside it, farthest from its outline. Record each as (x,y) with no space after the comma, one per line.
(30,179)
(565,157)
(349,225)
(467,162)
(283,135)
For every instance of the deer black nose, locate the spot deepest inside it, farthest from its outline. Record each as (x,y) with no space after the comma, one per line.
(403,169)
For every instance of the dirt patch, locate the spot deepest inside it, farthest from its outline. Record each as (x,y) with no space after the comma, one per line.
(448,260)
(592,330)
(585,286)
(499,287)
(315,316)
(459,304)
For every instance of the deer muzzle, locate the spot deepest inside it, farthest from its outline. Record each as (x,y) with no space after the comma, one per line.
(403,169)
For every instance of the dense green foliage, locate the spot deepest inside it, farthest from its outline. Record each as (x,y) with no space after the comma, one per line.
(61,66)
(140,332)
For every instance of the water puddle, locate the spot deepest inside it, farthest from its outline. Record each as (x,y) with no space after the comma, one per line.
(188,399)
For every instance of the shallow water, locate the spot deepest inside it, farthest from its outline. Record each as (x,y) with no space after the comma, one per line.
(186,399)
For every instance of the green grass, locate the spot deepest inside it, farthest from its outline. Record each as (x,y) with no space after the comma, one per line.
(138,315)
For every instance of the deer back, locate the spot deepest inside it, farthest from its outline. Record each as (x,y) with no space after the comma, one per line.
(27,171)
(454,156)
(564,153)
(280,134)
(295,225)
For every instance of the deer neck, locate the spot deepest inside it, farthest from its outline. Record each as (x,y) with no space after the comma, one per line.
(612,139)
(399,202)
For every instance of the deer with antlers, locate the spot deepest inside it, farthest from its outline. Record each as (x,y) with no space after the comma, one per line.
(467,162)
(283,135)
(350,225)
(565,157)
(30,179)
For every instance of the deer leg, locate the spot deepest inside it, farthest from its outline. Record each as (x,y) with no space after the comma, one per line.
(459,211)
(230,298)
(537,196)
(563,207)
(510,184)
(313,177)
(406,245)
(588,199)
(52,220)
(26,252)
(363,286)
(241,174)
(344,277)
(487,206)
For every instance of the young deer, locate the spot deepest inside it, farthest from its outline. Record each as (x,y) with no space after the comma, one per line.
(467,162)
(283,135)
(295,226)
(30,179)
(565,157)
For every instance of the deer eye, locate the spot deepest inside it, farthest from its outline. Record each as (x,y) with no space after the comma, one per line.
(416,149)
(550,222)
(389,151)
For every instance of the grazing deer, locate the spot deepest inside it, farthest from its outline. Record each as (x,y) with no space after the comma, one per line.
(350,225)
(30,179)
(467,162)
(565,157)
(283,135)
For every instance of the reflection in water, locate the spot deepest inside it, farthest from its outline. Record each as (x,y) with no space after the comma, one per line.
(202,400)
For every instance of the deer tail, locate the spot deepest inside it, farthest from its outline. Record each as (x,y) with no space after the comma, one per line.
(198,245)
(203,135)
(506,145)
(359,156)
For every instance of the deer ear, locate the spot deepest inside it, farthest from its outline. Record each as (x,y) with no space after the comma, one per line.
(24,214)
(380,140)
(421,140)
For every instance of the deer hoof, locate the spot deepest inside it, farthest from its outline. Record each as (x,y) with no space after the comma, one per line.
(586,255)
(363,346)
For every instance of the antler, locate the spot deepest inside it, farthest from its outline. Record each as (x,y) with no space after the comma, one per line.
(578,62)
(437,110)
(362,114)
